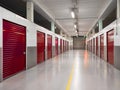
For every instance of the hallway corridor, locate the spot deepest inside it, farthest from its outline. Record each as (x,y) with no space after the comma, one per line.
(72,70)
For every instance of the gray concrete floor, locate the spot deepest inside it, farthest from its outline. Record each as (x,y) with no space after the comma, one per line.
(73,70)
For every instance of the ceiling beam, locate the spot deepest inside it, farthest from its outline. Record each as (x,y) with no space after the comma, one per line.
(76,18)
(43,10)
(107,4)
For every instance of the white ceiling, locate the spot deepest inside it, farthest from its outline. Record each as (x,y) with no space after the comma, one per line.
(89,11)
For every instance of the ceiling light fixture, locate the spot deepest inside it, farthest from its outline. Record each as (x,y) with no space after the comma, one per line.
(75,26)
(73,14)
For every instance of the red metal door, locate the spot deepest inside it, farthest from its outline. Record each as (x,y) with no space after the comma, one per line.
(49,46)
(40,47)
(102,46)
(110,47)
(67,45)
(14,48)
(56,46)
(93,45)
(60,45)
(63,46)
(88,45)
(97,46)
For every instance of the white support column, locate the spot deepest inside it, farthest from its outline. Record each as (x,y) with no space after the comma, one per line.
(52,27)
(118,9)
(93,32)
(30,11)
(1,49)
(118,16)
(100,24)
(61,33)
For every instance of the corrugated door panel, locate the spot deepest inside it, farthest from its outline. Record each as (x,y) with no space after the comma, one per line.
(102,46)
(89,46)
(40,47)
(56,45)
(93,45)
(110,47)
(67,45)
(49,46)
(60,45)
(63,46)
(97,46)
(14,48)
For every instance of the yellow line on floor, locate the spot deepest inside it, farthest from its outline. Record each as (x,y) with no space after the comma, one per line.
(70,78)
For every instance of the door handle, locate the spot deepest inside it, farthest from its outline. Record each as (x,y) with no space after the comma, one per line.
(24,53)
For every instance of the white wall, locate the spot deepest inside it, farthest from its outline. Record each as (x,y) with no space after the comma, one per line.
(31,36)
(116,27)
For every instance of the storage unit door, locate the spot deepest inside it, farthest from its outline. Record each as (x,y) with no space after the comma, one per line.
(88,45)
(91,46)
(60,45)
(102,46)
(14,48)
(56,46)
(63,46)
(49,46)
(110,47)
(94,45)
(97,46)
(67,46)
(40,47)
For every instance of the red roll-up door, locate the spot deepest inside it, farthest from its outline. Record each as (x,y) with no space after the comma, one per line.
(40,47)
(93,45)
(49,46)
(14,48)
(67,45)
(110,47)
(97,46)
(102,46)
(56,46)
(89,46)
(63,46)
(60,45)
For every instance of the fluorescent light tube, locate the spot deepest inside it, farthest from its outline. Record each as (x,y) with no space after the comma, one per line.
(72,14)
(75,26)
